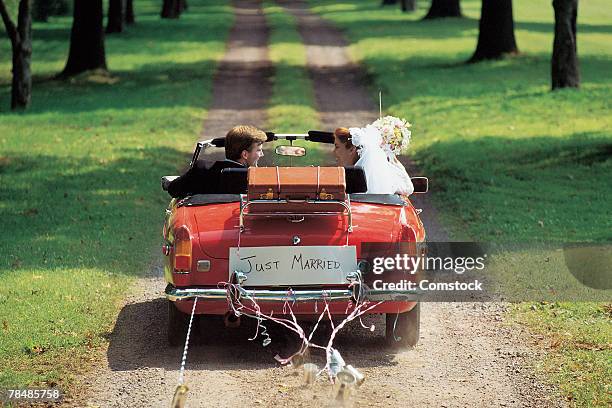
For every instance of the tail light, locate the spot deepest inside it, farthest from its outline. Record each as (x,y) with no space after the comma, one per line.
(408,241)
(408,244)
(182,250)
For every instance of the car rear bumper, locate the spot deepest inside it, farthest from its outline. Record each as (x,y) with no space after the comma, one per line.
(282,295)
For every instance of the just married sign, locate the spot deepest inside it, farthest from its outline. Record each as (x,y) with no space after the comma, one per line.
(293,265)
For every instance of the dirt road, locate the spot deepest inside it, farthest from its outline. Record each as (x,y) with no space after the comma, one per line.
(467,355)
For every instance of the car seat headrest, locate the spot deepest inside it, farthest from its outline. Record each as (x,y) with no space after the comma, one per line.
(355,180)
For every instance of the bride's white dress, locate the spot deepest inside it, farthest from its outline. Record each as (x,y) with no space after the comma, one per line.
(384,173)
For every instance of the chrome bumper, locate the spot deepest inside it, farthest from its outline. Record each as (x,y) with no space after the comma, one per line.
(307,295)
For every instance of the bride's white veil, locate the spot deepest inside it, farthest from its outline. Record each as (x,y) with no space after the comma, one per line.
(384,173)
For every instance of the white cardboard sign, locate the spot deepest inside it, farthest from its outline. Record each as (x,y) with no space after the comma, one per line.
(293,265)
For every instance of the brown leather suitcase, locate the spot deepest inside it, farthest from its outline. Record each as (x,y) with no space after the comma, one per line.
(296,184)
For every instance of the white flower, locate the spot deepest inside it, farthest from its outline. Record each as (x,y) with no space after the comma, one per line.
(394,132)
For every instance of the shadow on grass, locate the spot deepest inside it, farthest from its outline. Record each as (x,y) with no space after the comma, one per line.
(420,29)
(549,27)
(367,9)
(165,85)
(80,212)
(560,186)
(139,340)
(150,32)
(513,77)
(153,85)
(200,24)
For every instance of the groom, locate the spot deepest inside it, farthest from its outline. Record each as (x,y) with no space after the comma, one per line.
(243,148)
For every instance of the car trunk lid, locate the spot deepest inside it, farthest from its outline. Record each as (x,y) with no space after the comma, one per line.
(219,228)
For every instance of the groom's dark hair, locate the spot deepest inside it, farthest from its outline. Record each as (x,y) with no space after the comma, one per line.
(241,138)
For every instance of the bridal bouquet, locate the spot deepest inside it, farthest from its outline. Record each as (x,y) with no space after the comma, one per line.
(395,133)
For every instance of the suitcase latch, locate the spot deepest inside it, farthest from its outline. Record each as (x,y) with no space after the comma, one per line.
(267,196)
(325,196)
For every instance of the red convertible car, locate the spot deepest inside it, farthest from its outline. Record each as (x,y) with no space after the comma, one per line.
(303,236)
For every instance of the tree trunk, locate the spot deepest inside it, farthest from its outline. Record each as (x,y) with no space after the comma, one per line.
(443,8)
(565,71)
(408,5)
(21,93)
(21,44)
(183,6)
(129,12)
(116,16)
(171,9)
(86,39)
(496,31)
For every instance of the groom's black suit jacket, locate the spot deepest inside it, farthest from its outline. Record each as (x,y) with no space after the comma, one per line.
(202,178)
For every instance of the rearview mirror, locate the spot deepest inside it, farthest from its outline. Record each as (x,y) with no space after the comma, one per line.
(294,151)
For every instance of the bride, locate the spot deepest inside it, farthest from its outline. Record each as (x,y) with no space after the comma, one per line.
(373,148)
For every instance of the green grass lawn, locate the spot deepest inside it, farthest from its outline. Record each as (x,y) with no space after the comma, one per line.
(80,200)
(508,160)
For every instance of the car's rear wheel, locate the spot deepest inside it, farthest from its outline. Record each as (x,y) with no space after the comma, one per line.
(402,329)
(177,325)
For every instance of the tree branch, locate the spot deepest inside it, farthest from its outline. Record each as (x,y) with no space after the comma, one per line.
(11,30)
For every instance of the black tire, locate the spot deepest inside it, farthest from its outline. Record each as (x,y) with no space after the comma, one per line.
(407,328)
(177,326)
